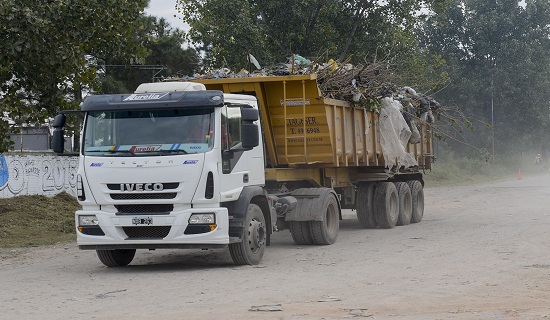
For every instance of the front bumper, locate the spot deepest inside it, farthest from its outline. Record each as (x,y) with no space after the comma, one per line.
(143,231)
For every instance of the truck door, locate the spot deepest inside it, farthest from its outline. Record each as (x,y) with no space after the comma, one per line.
(239,167)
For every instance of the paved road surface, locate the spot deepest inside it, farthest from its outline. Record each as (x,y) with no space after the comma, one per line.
(481,252)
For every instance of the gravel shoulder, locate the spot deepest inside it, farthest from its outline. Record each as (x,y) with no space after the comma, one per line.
(481,252)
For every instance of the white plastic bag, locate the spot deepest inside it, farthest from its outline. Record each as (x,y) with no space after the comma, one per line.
(394,135)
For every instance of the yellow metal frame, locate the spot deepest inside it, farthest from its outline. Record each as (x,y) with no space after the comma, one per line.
(304,129)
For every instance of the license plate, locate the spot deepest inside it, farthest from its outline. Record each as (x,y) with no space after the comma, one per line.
(142,221)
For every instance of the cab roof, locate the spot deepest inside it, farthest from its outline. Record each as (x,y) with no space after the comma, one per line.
(153,100)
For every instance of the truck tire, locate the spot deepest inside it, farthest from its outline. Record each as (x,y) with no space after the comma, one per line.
(417,197)
(300,232)
(325,232)
(364,205)
(252,246)
(386,205)
(405,203)
(116,258)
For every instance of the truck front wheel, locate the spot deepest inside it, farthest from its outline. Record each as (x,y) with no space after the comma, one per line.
(252,246)
(116,258)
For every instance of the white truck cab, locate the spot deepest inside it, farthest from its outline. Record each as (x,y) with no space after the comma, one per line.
(171,165)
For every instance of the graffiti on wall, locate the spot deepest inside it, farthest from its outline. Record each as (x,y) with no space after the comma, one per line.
(3,172)
(37,174)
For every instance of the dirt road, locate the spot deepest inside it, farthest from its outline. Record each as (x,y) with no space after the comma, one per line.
(481,252)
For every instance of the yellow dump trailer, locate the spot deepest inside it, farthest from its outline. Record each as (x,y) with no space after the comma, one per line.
(313,142)
(304,130)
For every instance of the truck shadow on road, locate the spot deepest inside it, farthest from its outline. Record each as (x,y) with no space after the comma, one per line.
(195,259)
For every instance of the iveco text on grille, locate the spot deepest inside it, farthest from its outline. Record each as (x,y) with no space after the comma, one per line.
(141,187)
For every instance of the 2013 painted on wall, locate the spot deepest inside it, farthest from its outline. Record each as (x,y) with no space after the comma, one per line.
(37,174)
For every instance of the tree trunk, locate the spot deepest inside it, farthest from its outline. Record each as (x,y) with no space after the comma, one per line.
(357,19)
(310,27)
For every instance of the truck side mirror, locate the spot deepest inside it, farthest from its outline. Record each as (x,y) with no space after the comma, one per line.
(249,130)
(248,114)
(249,134)
(58,139)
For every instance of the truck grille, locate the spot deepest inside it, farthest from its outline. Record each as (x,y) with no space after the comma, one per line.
(136,233)
(143,196)
(144,208)
(165,186)
(140,195)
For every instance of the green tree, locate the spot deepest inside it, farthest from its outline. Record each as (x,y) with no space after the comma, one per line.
(271,30)
(166,57)
(496,53)
(46,48)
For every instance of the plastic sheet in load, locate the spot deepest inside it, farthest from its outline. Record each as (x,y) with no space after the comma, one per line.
(394,135)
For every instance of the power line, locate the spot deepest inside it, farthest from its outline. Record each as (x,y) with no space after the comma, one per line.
(160,68)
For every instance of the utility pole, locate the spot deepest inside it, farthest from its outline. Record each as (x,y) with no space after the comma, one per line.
(492,128)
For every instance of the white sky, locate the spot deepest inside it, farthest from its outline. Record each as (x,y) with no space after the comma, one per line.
(166,9)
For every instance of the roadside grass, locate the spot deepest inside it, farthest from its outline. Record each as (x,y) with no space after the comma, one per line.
(37,220)
(451,170)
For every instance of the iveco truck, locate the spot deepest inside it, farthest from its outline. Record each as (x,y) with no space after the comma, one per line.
(228,162)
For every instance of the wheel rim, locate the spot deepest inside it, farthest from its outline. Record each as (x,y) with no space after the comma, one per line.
(256,235)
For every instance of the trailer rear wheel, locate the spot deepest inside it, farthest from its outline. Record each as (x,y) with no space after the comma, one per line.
(116,258)
(417,197)
(364,206)
(405,203)
(386,205)
(325,232)
(300,232)
(252,246)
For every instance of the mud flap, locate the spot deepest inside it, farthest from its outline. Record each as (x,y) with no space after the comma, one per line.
(309,206)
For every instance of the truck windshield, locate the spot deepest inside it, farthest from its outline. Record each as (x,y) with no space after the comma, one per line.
(149,132)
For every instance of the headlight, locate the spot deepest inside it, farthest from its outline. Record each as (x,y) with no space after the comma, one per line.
(90,220)
(202,218)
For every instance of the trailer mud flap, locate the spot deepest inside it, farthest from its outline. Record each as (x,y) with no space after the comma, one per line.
(311,204)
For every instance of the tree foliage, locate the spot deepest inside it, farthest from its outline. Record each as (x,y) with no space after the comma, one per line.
(494,51)
(46,46)
(165,57)
(272,30)
(497,56)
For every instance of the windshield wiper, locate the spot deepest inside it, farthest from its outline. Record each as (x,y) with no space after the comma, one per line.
(113,152)
(122,151)
(174,151)
(118,153)
(110,151)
